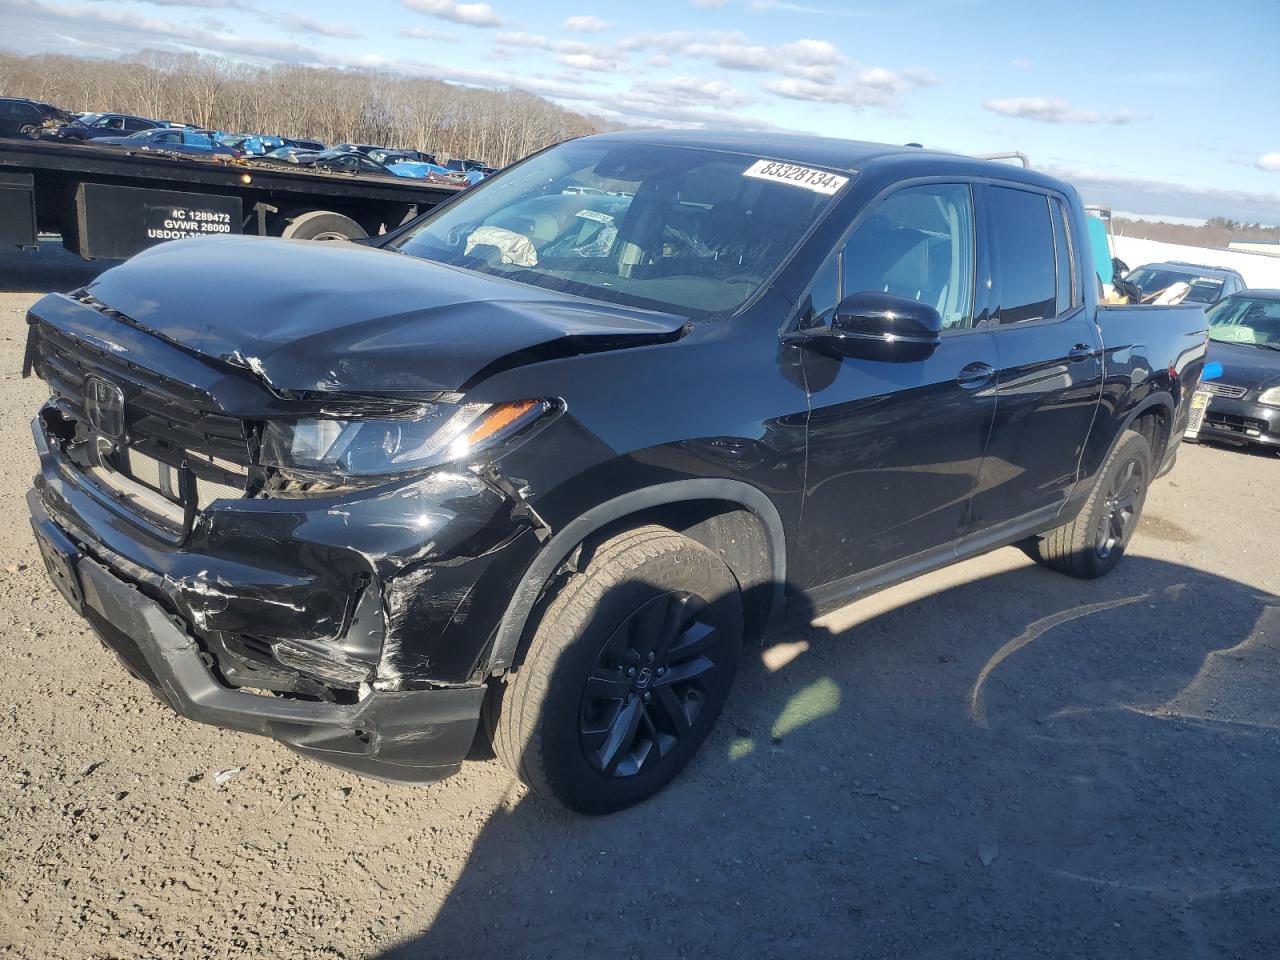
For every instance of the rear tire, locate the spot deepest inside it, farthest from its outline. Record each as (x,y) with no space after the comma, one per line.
(1091,545)
(628,669)
(323,225)
(30,130)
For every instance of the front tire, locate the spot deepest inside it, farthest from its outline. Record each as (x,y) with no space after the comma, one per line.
(1091,545)
(628,669)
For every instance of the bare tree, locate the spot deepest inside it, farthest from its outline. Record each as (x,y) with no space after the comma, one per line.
(332,105)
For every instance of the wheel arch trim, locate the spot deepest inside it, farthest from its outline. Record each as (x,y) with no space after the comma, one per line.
(558,549)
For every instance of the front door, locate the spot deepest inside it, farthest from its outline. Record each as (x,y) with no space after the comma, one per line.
(895,448)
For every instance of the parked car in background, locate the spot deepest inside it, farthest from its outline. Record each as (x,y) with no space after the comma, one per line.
(341,161)
(552,458)
(463,166)
(95,125)
(20,117)
(168,140)
(1244,400)
(386,156)
(357,148)
(257,145)
(428,171)
(298,144)
(288,155)
(1208,284)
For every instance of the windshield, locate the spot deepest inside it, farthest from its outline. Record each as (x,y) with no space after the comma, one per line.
(693,231)
(1151,280)
(1246,320)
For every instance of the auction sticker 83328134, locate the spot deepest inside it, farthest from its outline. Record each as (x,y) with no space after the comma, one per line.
(819,181)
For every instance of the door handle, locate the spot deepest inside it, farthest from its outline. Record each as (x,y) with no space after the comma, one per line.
(976,375)
(1081,351)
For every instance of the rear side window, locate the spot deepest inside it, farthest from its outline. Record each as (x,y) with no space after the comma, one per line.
(1022,237)
(1068,295)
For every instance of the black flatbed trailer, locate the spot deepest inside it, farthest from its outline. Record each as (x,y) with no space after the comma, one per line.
(109,202)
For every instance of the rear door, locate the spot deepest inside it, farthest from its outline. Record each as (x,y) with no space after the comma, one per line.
(1048,350)
(895,448)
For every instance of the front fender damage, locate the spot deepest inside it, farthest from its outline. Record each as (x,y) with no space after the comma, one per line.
(435,632)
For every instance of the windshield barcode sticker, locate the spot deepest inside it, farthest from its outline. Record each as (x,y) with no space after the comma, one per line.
(819,181)
(596,215)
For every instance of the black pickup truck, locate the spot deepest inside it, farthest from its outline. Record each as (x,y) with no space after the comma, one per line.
(546,456)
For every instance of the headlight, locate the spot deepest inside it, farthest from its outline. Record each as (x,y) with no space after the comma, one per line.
(1270,396)
(379,448)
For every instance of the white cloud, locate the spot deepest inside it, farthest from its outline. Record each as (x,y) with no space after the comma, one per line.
(206,4)
(296,23)
(867,87)
(1052,110)
(1269,162)
(585,24)
(732,51)
(422,33)
(681,101)
(467,14)
(812,51)
(1157,197)
(152,32)
(708,4)
(1022,63)
(587,61)
(573,54)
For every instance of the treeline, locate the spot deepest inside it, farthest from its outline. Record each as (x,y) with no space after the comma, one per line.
(336,106)
(1217,232)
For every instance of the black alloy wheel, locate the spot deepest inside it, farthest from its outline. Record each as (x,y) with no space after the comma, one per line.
(1121,503)
(648,685)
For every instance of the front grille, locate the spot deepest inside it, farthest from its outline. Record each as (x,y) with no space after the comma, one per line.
(168,424)
(1231,423)
(1230,391)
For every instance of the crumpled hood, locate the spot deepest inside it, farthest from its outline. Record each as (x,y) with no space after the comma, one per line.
(1244,365)
(339,317)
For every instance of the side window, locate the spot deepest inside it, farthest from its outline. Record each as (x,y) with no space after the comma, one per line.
(1023,239)
(196,140)
(1068,295)
(136,125)
(820,303)
(918,243)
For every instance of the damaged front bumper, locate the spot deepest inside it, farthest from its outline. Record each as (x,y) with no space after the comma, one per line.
(411,736)
(354,630)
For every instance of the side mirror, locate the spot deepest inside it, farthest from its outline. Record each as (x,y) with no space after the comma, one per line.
(879,326)
(1118,267)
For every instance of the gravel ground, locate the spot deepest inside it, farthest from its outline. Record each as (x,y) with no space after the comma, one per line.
(994,761)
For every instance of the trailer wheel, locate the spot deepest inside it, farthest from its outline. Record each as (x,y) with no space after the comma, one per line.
(322,225)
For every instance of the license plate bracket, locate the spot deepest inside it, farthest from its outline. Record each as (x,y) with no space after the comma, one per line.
(60,555)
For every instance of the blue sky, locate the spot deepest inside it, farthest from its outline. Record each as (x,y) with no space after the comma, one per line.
(1153,107)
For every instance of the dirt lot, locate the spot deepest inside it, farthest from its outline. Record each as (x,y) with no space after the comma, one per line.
(995,761)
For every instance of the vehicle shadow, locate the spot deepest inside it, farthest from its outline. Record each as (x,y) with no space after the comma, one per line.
(50,268)
(1017,765)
